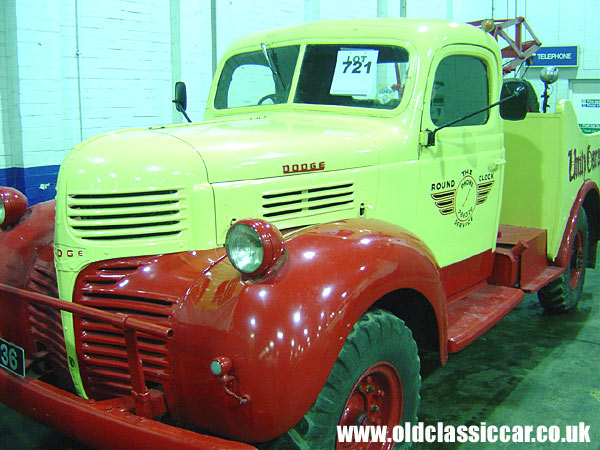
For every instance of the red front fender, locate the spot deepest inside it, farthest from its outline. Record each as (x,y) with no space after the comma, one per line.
(21,244)
(20,247)
(284,334)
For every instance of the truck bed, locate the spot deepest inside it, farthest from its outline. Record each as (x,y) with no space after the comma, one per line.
(547,160)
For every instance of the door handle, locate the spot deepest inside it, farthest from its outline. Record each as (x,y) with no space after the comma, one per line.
(494,166)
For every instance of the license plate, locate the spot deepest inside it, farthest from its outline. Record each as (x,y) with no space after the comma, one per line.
(12,358)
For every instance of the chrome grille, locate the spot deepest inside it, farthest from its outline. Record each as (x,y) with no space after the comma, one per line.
(308,201)
(148,214)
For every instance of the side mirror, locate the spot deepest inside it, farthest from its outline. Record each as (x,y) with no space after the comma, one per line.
(180,99)
(513,100)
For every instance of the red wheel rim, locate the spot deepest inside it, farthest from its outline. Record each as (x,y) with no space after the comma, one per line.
(376,399)
(577,262)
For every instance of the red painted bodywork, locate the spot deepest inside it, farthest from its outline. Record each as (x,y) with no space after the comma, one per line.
(146,404)
(477,311)
(520,259)
(108,424)
(562,259)
(20,247)
(289,326)
(462,275)
(283,334)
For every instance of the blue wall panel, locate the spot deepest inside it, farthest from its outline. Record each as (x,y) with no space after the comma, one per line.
(37,183)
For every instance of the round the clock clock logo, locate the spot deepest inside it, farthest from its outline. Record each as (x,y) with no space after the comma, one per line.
(466,198)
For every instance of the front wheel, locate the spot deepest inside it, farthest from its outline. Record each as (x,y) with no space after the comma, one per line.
(564,293)
(374,381)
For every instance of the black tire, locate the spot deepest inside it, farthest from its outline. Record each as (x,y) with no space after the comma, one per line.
(379,341)
(563,293)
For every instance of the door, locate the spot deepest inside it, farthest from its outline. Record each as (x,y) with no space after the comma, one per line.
(461,174)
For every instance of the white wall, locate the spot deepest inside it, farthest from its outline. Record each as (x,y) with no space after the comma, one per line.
(125,59)
(10,138)
(40,93)
(3,86)
(75,68)
(236,18)
(195,56)
(432,9)
(343,9)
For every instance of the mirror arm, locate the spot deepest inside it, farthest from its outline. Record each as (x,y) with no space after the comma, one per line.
(431,134)
(179,107)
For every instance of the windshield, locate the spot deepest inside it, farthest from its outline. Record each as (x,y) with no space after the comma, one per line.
(367,76)
(364,76)
(247,78)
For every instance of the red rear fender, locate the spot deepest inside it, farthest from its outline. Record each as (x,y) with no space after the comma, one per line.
(562,259)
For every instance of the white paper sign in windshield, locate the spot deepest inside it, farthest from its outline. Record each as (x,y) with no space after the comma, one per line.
(355,72)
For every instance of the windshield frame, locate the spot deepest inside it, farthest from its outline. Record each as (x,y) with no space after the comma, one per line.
(290,105)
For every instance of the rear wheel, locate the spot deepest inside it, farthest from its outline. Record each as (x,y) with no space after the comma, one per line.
(564,293)
(375,381)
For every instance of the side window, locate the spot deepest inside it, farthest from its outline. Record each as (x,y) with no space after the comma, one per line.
(460,88)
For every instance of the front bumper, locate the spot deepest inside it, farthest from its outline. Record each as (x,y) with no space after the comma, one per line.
(117,423)
(107,424)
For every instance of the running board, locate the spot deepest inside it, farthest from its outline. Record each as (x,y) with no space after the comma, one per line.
(477,311)
(542,279)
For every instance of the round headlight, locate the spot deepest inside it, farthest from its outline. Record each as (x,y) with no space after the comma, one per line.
(13,205)
(253,246)
(244,248)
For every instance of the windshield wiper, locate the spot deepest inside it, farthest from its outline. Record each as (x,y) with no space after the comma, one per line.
(272,65)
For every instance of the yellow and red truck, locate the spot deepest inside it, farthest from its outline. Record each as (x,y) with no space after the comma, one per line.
(358,190)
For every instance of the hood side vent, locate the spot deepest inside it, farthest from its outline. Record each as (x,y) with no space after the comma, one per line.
(116,216)
(308,201)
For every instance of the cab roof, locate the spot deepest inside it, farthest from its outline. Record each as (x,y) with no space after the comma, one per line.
(420,32)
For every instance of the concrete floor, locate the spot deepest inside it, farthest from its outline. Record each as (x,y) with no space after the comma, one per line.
(532,368)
